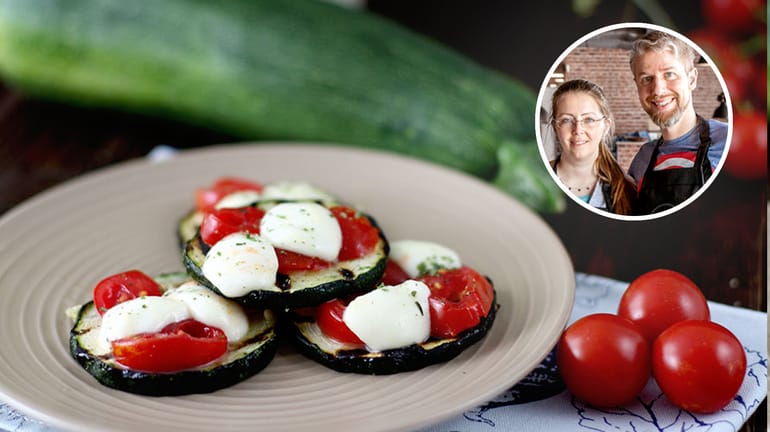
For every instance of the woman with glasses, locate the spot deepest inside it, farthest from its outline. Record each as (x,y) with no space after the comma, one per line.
(584,128)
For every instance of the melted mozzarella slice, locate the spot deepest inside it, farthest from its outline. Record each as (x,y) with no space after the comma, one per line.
(303,227)
(240,263)
(290,190)
(214,310)
(238,199)
(140,315)
(420,257)
(391,316)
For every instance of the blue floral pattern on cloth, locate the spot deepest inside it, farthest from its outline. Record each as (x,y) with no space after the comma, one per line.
(540,403)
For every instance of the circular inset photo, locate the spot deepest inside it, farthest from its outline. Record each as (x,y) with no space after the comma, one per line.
(634,121)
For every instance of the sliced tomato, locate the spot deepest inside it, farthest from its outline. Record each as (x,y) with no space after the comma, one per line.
(207,198)
(329,319)
(459,299)
(291,261)
(359,236)
(122,287)
(219,223)
(394,274)
(179,346)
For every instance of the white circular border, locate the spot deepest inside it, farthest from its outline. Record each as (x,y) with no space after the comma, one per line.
(541,146)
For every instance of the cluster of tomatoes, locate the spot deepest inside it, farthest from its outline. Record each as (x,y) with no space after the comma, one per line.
(734,36)
(662,329)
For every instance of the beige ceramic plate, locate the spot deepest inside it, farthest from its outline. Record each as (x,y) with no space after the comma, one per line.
(56,246)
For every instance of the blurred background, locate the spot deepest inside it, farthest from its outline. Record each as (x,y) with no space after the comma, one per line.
(720,241)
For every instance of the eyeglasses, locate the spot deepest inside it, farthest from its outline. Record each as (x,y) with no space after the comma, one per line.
(571,123)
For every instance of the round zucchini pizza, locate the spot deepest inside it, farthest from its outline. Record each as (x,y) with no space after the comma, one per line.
(282,246)
(168,335)
(427,309)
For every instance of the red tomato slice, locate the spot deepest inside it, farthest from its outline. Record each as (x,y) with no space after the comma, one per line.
(394,274)
(179,346)
(122,287)
(329,319)
(699,365)
(359,237)
(220,223)
(207,198)
(459,299)
(291,261)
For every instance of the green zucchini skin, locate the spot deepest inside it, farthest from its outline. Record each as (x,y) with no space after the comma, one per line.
(253,356)
(187,227)
(387,362)
(279,70)
(301,289)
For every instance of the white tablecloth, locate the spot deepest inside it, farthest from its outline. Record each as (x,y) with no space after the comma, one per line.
(539,402)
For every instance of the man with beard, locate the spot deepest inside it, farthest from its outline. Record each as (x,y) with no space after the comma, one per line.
(670,169)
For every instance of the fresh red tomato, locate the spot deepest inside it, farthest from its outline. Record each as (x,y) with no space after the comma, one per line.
(699,365)
(207,198)
(219,223)
(394,274)
(747,158)
(459,299)
(604,360)
(179,346)
(737,86)
(659,298)
(329,319)
(359,237)
(733,16)
(122,287)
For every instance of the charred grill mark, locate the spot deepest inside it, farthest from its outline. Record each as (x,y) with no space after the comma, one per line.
(347,274)
(205,247)
(283,282)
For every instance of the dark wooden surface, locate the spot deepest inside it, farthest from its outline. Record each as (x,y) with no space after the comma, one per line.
(719,241)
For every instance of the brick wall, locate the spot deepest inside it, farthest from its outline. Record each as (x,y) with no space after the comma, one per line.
(626,150)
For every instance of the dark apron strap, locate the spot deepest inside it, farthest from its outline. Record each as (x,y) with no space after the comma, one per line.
(665,189)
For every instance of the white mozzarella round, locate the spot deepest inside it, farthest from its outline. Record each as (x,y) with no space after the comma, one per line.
(306,228)
(148,314)
(391,316)
(240,263)
(294,190)
(212,309)
(417,257)
(238,199)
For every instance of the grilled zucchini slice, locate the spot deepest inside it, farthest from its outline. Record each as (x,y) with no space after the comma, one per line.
(240,362)
(300,288)
(311,342)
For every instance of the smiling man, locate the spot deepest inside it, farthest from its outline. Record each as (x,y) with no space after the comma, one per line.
(671,169)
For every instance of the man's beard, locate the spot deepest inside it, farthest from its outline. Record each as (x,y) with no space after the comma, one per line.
(666,119)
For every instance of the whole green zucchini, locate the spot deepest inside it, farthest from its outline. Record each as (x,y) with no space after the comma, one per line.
(281,70)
